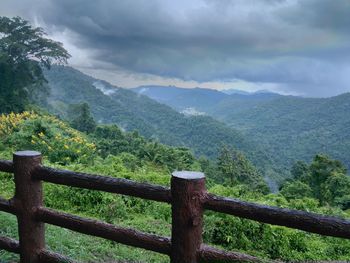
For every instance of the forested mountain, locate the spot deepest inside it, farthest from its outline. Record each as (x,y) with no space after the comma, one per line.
(295,128)
(132,111)
(289,128)
(238,103)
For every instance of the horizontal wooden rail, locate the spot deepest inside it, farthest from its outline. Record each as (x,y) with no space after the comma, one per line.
(310,222)
(7,206)
(130,237)
(100,229)
(9,244)
(103,183)
(46,256)
(210,254)
(6,166)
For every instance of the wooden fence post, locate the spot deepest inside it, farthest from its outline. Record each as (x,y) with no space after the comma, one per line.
(187,194)
(28,196)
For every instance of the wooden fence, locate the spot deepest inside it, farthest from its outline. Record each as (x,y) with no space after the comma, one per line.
(187,197)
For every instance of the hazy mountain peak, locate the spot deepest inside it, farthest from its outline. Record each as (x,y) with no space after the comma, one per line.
(235,91)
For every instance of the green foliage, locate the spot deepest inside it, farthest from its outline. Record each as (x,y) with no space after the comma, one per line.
(237,169)
(292,128)
(321,170)
(343,202)
(296,190)
(23,50)
(111,140)
(235,233)
(299,170)
(80,117)
(324,179)
(336,187)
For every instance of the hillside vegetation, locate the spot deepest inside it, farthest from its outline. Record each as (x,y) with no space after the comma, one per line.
(130,111)
(293,128)
(130,156)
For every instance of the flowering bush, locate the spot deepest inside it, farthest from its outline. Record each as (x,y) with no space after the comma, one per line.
(47,134)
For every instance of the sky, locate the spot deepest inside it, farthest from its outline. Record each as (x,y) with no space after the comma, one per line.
(299,47)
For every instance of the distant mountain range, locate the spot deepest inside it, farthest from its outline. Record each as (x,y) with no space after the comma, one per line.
(134,111)
(235,91)
(181,98)
(289,128)
(209,101)
(242,92)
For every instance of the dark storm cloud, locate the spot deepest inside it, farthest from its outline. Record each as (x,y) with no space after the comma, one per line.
(302,45)
(333,15)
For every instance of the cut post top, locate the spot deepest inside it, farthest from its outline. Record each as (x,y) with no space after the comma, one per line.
(27,154)
(188,175)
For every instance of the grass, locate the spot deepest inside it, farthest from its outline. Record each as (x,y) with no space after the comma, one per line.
(82,247)
(78,246)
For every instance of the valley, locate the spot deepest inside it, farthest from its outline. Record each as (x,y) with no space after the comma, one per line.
(288,128)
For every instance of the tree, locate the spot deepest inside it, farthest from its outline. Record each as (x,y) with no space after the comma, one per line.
(327,180)
(336,188)
(226,165)
(300,170)
(80,117)
(238,169)
(322,169)
(296,190)
(24,50)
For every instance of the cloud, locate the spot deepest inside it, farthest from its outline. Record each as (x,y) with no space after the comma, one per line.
(301,46)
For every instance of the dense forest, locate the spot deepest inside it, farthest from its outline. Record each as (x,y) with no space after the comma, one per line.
(288,128)
(298,128)
(82,124)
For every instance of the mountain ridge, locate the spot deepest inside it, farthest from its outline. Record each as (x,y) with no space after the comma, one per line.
(131,111)
(199,99)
